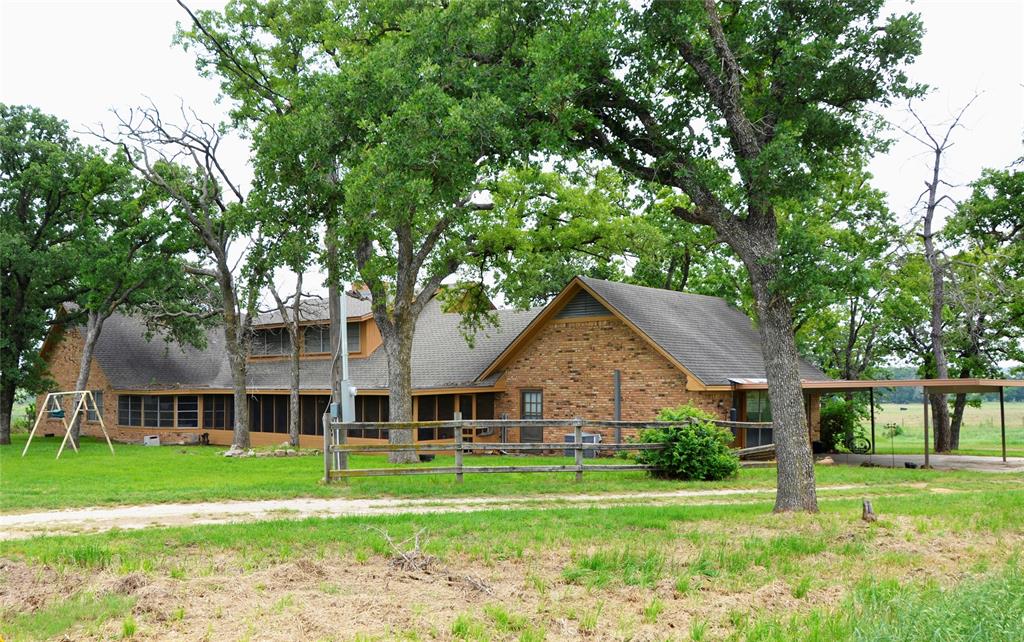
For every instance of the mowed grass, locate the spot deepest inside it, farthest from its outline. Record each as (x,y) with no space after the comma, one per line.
(143,475)
(980,434)
(936,566)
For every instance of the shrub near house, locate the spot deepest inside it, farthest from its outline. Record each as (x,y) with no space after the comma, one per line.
(696,450)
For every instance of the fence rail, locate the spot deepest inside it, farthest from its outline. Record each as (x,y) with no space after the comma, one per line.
(337,448)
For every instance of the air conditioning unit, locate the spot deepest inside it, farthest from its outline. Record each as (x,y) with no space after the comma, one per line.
(588,438)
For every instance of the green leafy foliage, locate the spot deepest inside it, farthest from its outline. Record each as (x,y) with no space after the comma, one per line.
(840,422)
(695,449)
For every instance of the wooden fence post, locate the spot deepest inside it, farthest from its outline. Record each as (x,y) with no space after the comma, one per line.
(342,459)
(458,448)
(326,421)
(577,424)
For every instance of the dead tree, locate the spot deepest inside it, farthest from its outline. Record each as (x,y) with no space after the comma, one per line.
(931,199)
(182,161)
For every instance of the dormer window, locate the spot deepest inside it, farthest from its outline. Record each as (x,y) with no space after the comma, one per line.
(274,341)
(317,338)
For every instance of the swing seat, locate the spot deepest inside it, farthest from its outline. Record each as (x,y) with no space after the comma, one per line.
(57,414)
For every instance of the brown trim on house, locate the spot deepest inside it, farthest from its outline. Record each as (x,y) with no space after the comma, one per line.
(693,383)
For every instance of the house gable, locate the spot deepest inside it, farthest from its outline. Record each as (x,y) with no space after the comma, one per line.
(582,305)
(578,301)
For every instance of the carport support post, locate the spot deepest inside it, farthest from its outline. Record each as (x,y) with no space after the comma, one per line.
(577,425)
(924,395)
(1002,422)
(871,400)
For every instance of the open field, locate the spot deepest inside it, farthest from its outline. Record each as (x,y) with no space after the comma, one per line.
(979,435)
(943,562)
(141,475)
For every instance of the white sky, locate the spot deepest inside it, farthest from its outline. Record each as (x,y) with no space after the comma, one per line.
(79,59)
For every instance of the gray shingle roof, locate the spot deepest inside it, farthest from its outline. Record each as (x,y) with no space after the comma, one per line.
(712,339)
(440,357)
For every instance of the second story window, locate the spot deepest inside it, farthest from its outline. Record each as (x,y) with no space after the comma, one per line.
(317,338)
(271,342)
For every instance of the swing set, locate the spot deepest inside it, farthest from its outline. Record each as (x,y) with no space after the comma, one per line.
(53,404)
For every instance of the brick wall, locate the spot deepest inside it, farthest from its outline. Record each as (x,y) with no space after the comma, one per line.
(572,361)
(63,361)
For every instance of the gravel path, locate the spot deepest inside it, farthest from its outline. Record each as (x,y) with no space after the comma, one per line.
(94,519)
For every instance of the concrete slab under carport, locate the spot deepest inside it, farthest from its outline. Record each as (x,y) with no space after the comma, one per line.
(938,462)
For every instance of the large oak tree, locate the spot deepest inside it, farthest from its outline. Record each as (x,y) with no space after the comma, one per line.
(740,107)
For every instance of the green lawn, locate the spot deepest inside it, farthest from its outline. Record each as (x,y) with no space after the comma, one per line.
(942,563)
(138,474)
(980,434)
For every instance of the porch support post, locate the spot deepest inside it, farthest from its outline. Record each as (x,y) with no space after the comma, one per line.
(924,395)
(1002,422)
(871,398)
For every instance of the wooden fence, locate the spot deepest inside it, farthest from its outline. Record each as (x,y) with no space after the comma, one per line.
(337,448)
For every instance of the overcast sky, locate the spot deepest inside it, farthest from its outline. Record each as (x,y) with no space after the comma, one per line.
(79,59)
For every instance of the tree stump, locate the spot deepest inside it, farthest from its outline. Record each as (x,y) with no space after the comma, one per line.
(868,515)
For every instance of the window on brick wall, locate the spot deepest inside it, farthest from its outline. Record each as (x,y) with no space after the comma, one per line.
(90,413)
(533,404)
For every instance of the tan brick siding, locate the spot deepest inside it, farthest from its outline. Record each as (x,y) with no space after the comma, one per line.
(573,361)
(63,361)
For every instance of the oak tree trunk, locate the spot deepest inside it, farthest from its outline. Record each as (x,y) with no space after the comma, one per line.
(399,353)
(237,347)
(796,484)
(93,328)
(940,417)
(7,393)
(957,420)
(293,395)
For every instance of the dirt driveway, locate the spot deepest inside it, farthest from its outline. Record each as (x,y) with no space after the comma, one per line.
(96,519)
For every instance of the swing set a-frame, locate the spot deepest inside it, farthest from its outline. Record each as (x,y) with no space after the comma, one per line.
(53,404)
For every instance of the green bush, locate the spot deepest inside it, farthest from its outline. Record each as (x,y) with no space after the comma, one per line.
(840,422)
(695,450)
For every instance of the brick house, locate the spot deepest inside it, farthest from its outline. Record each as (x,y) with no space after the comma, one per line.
(599,350)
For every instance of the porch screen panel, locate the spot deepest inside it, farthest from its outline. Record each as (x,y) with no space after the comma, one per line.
(218,412)
(280,413)
(485,406)
(129,410)
(188,411)
(267,412)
